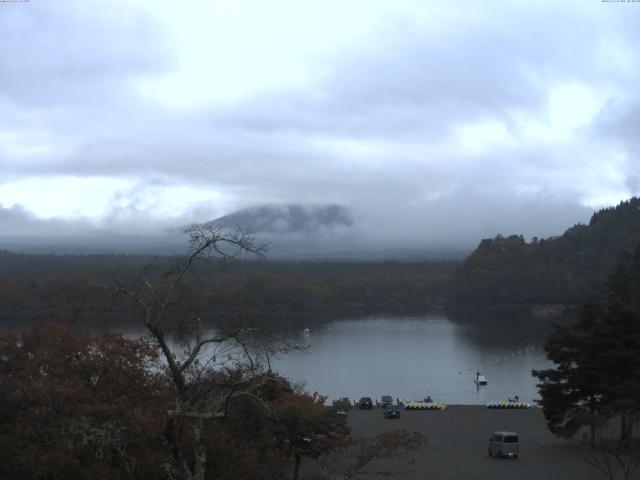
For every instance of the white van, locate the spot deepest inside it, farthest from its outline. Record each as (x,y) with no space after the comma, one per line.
(504,444)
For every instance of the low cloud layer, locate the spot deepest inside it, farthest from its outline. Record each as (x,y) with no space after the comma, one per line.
(431,124)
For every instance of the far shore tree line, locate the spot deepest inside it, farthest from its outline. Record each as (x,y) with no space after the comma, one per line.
(277,292)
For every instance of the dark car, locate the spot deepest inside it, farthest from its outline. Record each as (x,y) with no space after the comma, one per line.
(386,400)
(391,411)
(366,403)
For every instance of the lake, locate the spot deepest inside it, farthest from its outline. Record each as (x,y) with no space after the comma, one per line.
(415,356)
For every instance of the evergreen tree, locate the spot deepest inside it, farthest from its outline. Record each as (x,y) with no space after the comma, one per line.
(571,394)
(597,360)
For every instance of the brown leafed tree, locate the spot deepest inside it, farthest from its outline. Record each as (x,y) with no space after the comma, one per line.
(77,406)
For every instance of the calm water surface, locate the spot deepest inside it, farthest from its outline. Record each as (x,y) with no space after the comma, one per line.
(412,357)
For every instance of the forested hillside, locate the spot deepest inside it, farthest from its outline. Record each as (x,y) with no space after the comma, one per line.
(569,269)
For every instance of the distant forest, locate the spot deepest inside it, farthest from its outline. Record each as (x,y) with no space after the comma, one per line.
(568,270)
(48,287)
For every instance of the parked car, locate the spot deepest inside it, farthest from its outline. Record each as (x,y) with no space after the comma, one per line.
(391,411)
(386,400)
(365,403)
(504,444)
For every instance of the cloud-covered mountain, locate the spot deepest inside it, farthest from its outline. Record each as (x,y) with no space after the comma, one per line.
(383,230)
(299,231)
(289,219)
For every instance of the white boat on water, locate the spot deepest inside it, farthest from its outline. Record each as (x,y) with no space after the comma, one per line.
(480,380)
(306,332)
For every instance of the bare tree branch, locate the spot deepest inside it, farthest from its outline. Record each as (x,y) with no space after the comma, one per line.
(200,397)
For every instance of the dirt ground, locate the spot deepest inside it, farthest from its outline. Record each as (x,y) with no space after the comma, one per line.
(457,446)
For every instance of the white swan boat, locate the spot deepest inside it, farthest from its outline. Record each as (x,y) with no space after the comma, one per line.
(480,380)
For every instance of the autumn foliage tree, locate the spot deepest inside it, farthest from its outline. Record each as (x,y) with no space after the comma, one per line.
(306,428)
(76,406)
(80,406)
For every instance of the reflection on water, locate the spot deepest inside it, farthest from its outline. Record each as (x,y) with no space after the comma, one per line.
(412,357)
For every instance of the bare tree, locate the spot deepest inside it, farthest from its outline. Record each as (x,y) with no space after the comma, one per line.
(358,454)
(613,460)
(200,397)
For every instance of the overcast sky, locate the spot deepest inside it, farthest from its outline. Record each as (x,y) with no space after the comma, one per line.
(428,120)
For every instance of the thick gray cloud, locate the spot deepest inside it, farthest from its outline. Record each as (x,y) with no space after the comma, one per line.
(65,54)
(439,127)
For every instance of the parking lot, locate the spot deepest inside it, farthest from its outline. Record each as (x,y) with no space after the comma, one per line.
(458,441)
